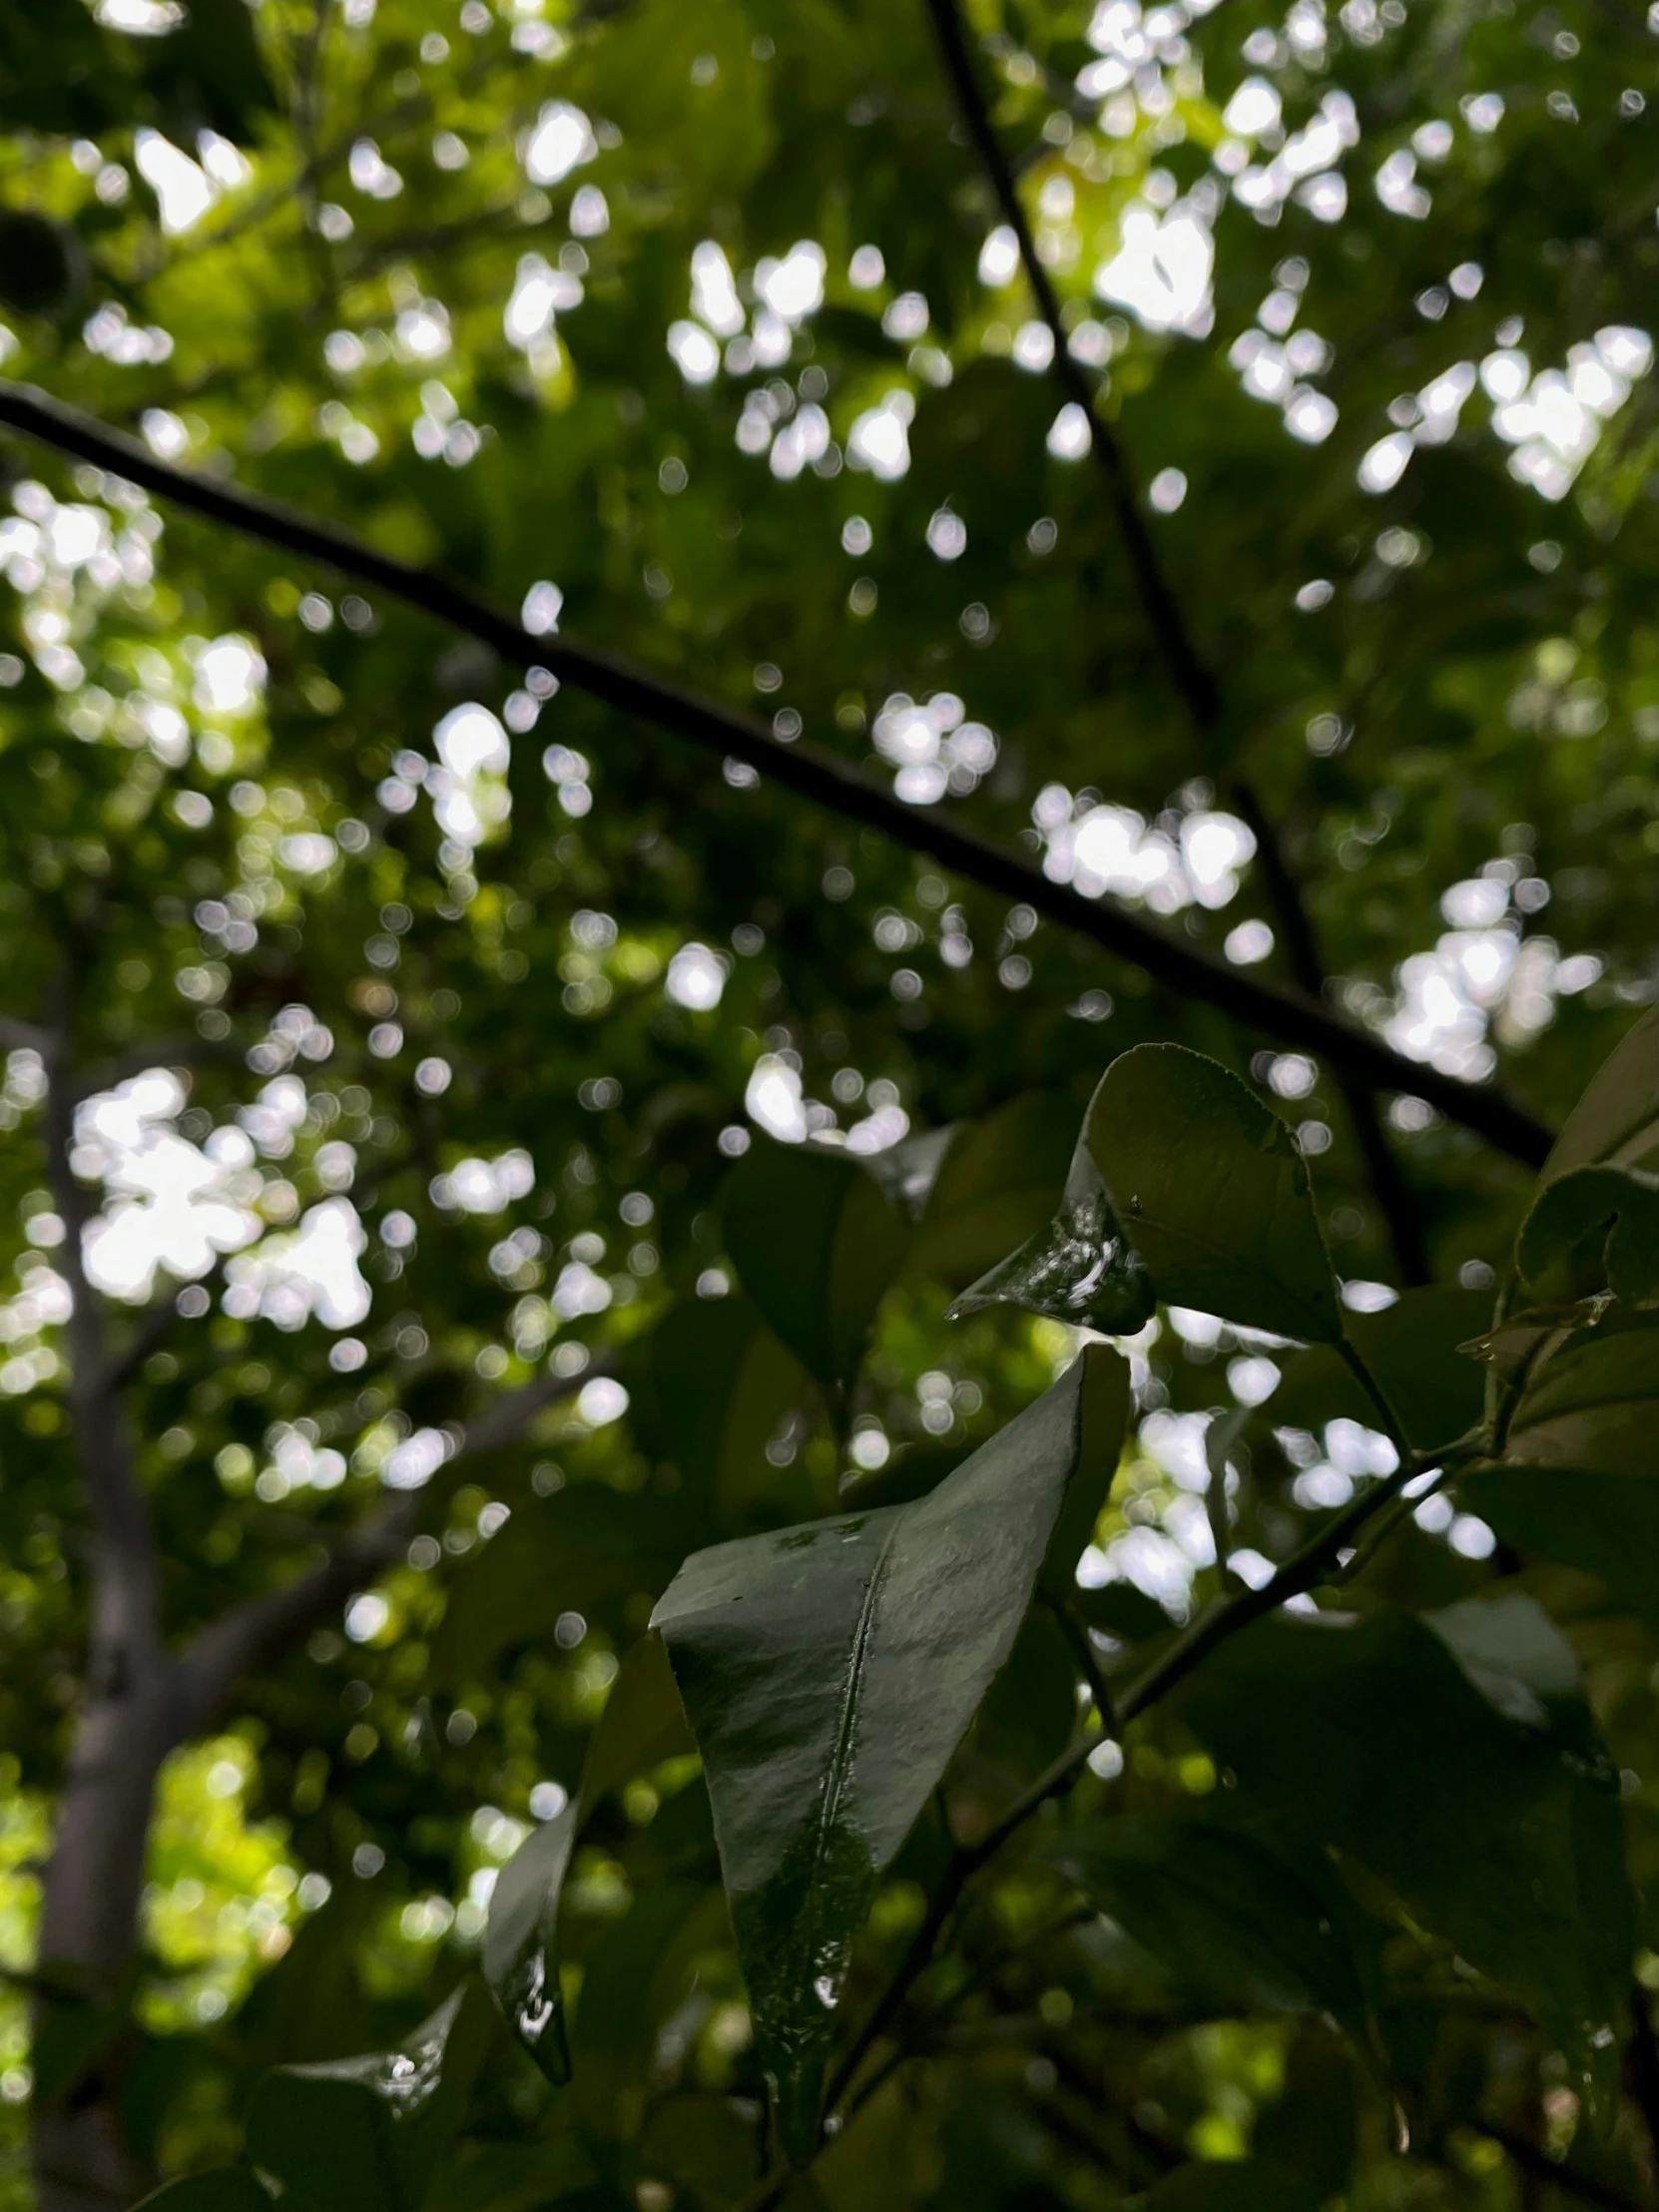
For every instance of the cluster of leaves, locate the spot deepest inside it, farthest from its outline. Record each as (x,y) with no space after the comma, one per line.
(1402,1821)
(1410,1796)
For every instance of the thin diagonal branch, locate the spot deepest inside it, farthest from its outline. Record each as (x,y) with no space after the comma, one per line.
(250,1635)
(1191,674)
(813,771)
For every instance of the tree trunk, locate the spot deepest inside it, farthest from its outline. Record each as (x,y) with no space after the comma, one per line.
(94,1883)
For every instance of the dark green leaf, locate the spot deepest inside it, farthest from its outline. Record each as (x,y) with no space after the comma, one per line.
(1604,1523)
(643,1722)
(1413,1348)
(636,1977)
(1452,1755)
(365,2134)
(828,1673)
(1592,1227)
(1229,2185)
(521,1953)
(1617,1121)
(816,1244)
(997,1186)
(1244,1919)
(585,1548)
(1213,1193)
(1593,1404)
(227,2189)
(711,1385)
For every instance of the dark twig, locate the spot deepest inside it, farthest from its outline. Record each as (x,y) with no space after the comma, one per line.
(813,771)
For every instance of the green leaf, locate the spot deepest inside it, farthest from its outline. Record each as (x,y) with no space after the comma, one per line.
(817,1243)
(710,1386)
(997,1187)
(1244,1919)
(586,1548)
(829,1672)
(521,1955)
(1600,1522)
(1228,2185)
(1414,1347)
(1617,1121)
(1592,1406)
(1080,1268)
(637,1975)
(1454,1756)
(1593,1226)
(365,2134)
(226,2189)
(1213,1192)
(643,1722)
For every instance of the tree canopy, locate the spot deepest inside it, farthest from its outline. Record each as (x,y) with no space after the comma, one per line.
(831,1106)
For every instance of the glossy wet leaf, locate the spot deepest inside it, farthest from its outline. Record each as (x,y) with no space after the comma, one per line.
(365,2134)
(521,1941)
(828,1673)
(1453,1756)
(817,1243)
(1589,1228)
(1244,1920)
(1080,1268)
(1213,1193)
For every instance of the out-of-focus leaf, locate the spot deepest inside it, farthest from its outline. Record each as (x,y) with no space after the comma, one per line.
(1590,1227)
(1080,1268)
(226,2189)
(711,1385)
(1601,1522)
(1455,1757)
(1240,1916)
(1119,1609)
(1616,1120)
(1413,1348)
(816,1244)
(1229,2185)
(643,1722)
(997,1186)
(521,1953)
(633,1980)
(1213,1193)
(586,1547)
(829,1672)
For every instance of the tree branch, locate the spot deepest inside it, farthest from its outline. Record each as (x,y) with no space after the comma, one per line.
(1193,678)
(126,1573)
(23,1036)
(183,1051)
(250,1635)
(816,773)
